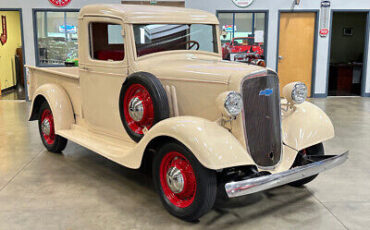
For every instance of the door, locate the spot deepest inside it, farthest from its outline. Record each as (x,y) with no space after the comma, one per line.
(296,48)
(348,46)
(103,70)
(10,41)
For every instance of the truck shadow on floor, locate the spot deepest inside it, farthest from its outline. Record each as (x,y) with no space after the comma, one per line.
(138,185)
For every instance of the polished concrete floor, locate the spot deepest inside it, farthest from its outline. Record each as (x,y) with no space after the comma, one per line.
(81,190)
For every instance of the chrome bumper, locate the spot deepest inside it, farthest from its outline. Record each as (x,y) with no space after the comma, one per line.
(257,184)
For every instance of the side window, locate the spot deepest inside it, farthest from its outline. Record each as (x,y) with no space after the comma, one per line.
(106,41)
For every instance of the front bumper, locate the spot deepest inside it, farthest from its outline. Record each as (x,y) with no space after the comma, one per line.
(257,184)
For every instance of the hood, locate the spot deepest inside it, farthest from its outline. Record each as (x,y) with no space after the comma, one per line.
(196,67)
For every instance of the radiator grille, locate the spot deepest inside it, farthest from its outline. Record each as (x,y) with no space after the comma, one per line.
(262,118)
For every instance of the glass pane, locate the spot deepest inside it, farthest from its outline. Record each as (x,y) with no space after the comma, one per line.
(106,42)
(115,34)
(243,37)
(226,26)
(165,37)
(56,36)
(72,38)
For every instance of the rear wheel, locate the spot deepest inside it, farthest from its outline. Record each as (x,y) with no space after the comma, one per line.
(315,150)
(52,142)
(186,189)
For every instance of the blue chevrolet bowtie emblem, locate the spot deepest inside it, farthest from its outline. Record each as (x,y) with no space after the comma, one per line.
(266,92)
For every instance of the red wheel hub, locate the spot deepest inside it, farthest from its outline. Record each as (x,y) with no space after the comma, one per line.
(47,126)
(138,108)
(178,179)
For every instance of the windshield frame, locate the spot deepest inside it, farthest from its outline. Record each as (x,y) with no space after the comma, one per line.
(215,54)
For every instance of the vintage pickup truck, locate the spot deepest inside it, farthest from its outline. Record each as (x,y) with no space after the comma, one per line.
(151,87)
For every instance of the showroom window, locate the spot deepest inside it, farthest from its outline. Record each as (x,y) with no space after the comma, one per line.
(106,42)
(243,36)
(56,38)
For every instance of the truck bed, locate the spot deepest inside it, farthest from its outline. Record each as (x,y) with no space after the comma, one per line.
(67,77)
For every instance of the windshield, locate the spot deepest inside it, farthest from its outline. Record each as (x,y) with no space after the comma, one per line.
(153,38)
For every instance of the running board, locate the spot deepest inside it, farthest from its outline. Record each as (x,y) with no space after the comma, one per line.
(112,148)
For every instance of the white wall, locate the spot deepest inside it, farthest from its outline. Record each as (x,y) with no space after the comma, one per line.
(274,6)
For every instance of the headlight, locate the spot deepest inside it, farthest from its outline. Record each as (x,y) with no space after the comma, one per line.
(230,103)
(295,92)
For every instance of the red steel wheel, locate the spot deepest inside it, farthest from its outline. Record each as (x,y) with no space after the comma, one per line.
(138,108)
(47,126)
(143,103)
(52,142)
(186,188)
(178,179)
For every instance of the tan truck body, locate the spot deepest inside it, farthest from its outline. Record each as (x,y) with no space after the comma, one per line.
(84,99)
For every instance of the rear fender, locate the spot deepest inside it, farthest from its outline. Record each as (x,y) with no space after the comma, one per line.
(59,103)
(306,125)
(214,146)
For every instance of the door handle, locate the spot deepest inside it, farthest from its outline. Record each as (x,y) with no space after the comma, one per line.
(281,57)
(85,68)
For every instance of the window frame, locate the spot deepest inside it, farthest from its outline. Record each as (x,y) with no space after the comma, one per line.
(266,12)
(35,29)
(90,38)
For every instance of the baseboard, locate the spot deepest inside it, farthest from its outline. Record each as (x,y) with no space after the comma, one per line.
(7,90)
(366,95)
(319,95)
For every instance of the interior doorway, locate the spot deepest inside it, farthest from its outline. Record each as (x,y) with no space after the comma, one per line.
(347,53)
(11,56)
(296,48)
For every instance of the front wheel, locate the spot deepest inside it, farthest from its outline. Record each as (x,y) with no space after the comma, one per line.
(315,150)
(186,189)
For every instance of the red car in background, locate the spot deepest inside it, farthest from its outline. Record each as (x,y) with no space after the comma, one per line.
(244,49)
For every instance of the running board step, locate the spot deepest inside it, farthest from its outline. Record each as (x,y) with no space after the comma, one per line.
(109,147)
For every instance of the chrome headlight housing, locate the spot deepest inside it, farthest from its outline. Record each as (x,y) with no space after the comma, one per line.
(295,92)
(230,103)
(299,93)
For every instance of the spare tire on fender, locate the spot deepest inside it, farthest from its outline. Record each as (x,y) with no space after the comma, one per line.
(143,102)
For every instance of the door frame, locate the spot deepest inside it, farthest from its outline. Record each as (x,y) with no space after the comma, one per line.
(23,48)
(366,49)
(317,17)
(267,14)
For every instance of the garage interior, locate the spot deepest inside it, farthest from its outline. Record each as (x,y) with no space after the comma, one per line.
(347,53)
(80,189)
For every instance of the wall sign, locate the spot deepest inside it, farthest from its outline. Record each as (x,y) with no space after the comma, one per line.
(4,33)
(60,3)
(243,3)
(324,18)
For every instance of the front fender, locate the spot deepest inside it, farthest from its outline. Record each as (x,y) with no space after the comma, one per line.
(306,125)
(214,146)
(59,103)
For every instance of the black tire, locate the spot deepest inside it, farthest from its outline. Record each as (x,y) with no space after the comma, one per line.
(157,94)
(206,184)
(315,150)
(59,142)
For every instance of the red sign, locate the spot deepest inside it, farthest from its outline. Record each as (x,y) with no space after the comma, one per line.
(60,3)
(324,32)
(4,34)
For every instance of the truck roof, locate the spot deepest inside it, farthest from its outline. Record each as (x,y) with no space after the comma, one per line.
(143,14)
